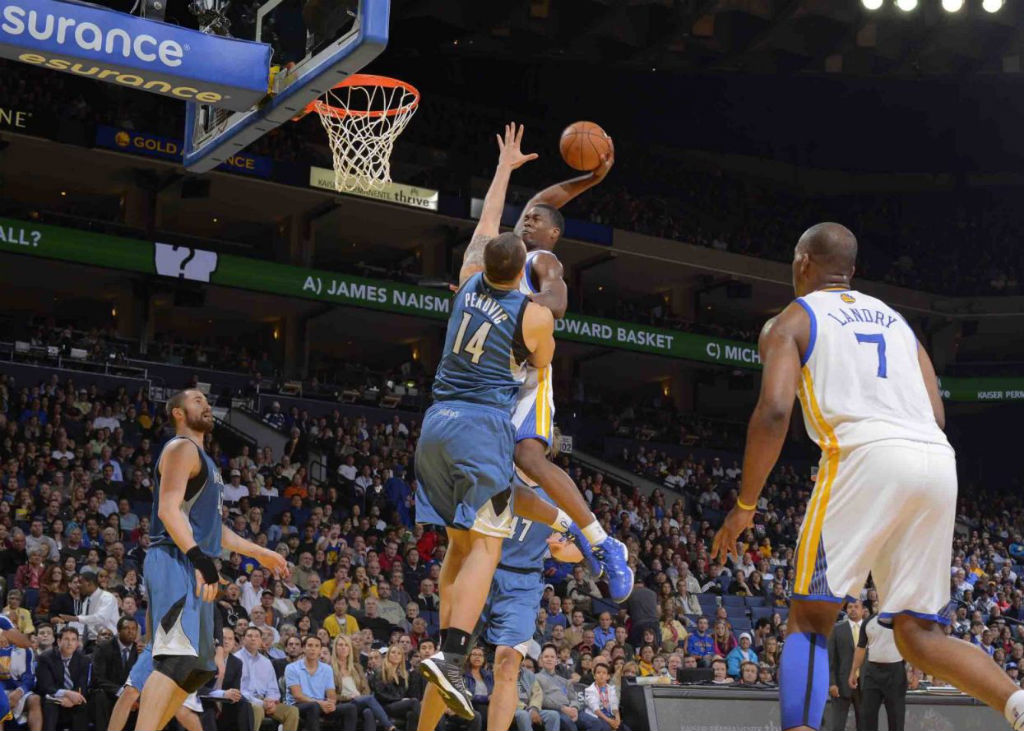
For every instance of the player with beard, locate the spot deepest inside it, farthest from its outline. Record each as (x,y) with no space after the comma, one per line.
(181,577)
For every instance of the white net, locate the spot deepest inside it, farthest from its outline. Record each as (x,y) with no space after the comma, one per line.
(363,118)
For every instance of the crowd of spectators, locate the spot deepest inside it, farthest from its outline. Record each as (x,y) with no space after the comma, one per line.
(958,243)
(361,608)
(330,377)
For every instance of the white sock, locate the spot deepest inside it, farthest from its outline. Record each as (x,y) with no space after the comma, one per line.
(1014,710)
(595,534)
(562,522)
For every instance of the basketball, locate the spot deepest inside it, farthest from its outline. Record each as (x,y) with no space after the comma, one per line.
(583,144)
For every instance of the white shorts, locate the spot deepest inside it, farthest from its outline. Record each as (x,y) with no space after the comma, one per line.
(888,509)
(19,712)
(535,408)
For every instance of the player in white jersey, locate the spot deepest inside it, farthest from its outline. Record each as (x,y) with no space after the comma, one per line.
(541,226)
(885,498)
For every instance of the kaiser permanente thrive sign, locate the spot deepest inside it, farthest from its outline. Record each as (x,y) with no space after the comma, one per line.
(198,265)
(118,48)
(404,195)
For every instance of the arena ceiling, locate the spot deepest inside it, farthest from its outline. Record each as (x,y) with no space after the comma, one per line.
(754,36)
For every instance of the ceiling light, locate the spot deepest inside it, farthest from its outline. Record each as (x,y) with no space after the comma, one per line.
(906,5)
(992,6)
(952,6)
(872,4)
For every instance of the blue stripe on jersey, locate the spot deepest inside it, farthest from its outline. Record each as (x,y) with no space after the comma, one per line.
(528,273)
(814,329)
(202,504)
(526,547)
(483,347)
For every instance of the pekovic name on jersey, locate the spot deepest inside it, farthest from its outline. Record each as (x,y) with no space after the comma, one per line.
(846,315)
(486,306)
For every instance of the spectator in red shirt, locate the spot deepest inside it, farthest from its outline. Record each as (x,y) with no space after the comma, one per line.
(390,558)
(28,575)
(426,540)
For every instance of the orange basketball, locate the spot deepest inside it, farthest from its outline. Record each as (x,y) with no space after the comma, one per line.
(583,144)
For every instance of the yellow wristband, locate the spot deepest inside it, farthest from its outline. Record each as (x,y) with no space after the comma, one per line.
(744,506)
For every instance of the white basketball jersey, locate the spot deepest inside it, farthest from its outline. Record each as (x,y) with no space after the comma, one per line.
(525,286)
(861,381)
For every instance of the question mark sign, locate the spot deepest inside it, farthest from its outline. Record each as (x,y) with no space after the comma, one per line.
(36,236)
(185,261)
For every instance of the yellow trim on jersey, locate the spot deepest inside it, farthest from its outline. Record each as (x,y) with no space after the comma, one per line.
(541,410)
(810,539)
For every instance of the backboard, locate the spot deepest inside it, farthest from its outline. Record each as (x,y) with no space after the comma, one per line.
(317,43)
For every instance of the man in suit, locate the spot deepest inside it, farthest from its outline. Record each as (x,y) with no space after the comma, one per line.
(111,662)
(841,646)
(222,696)
(63,674)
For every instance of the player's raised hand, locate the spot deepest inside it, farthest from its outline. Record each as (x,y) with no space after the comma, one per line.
(275,563)
(737,521)
(509,147)
(607,160)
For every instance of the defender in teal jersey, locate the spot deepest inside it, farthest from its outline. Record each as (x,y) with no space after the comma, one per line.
(465,451)
(181,578)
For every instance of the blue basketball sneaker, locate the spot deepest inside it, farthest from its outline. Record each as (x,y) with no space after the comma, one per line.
(614,556)
(576,536)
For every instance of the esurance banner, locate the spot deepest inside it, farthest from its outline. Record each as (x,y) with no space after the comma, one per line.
(403,195)
(210,267)
(123,49)
(143,143)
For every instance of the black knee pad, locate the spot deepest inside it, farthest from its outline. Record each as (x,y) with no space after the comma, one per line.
(189,673)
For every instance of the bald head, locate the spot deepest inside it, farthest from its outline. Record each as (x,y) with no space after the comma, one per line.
(831,246)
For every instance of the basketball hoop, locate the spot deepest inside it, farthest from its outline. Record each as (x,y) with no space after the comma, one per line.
(363,116)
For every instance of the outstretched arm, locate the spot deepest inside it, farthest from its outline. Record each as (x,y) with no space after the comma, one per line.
(766,433)
(13,635)
(272,560)
(559,194)
(510,157)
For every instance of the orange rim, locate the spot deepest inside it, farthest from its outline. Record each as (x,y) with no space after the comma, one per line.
(321,107)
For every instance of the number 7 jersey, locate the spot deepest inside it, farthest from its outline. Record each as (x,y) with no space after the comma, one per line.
(861,381)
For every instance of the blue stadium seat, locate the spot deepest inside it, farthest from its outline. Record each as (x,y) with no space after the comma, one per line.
(30,598)
(708,602)
(757,613)
(733,601)
(740,625)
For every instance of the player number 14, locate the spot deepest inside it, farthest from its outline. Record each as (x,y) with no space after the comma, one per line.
(475,346)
